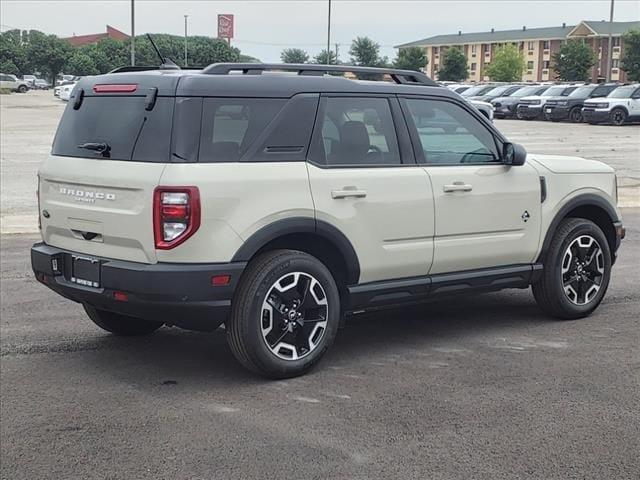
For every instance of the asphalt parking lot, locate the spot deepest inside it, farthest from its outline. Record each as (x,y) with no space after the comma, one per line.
(478,388)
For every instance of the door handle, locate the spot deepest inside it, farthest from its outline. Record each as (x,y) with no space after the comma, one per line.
(348,192)
(457,187)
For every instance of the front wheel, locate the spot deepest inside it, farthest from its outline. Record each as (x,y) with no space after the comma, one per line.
(575,115)
(577,269)
(285,314)
(618,116)
(119,324)
(22,89)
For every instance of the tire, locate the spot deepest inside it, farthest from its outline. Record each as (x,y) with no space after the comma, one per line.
(575,115)
(263,331)
(22,89)
(618,116)
(121,325)
(579,250)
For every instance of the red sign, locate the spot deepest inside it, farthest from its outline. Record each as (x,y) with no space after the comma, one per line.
(225,26)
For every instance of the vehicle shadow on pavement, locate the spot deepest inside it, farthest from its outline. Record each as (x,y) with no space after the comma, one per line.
(174,355)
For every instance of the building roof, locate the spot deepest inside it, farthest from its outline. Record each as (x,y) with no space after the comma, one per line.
(543,33)
(114,33)
(601,27)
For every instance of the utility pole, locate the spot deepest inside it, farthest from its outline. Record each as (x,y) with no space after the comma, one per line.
(133,33)
(329,35)
(610,47)
(185,40)
(337,61)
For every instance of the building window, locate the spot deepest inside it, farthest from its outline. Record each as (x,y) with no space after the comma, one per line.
(545,64)
(615,63)
(473,49)
(616,41)
(473,67)
(546,44)
(487,48)
(530,65)
(529,46)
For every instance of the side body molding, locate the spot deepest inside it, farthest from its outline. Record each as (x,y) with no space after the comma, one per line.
(302,225)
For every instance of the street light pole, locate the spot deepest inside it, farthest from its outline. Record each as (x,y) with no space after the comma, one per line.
(185,40)
(133,33)
(610,47)
(329,35)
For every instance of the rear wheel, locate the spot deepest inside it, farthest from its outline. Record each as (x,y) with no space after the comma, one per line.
(121,324)
(285,314)
(22,88)
(577,269)
(575,115)
(618,116)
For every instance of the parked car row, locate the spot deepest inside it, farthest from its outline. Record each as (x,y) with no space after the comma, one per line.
(22,85)
(612,103)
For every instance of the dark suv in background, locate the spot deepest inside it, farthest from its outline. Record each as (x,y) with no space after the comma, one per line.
(570,108)
(506,106)
(498,91)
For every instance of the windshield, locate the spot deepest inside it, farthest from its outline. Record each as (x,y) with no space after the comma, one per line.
(623,92)
(582,92)
(473,90)
(554,92)
(526,91)
(498,90)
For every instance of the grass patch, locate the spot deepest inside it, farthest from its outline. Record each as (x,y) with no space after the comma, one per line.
(5,91)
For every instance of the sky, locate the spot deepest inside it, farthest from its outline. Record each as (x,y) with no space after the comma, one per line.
(263,28)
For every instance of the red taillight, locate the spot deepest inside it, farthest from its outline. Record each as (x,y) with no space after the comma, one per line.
(116,88)
(120,296)
(176,215)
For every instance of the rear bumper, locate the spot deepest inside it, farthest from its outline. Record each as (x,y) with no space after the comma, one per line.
(177,294)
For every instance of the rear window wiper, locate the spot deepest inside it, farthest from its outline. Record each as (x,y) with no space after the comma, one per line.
(102,148)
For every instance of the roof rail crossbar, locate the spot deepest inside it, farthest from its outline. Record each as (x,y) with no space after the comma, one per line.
(405,77)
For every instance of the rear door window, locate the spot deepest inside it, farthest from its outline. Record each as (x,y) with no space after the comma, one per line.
(356,131)
(122,123)
(231,125)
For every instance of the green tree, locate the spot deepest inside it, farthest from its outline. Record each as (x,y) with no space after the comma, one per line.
(79,63)
(412,58)
(507,66)
(630,61)
(13,55)
(454,66)
(294,55)
(325,58)
(573,61)
(366,53)
(47,54)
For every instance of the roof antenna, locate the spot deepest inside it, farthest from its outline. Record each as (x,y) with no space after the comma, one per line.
(165,63)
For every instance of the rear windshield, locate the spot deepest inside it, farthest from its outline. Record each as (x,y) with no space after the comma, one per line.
(121,123)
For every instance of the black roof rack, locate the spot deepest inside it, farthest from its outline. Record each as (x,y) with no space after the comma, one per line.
(405,77)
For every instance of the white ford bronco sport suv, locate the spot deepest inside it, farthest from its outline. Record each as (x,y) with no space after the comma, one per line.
(275,199)
(622,105)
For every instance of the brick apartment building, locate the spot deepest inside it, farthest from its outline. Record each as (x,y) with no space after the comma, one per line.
(537,44)
(114,33)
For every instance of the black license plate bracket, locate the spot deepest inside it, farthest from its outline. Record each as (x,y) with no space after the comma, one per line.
(85,271)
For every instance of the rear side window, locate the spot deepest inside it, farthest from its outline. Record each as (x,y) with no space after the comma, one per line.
(122,123)
(356,131)
(231,125)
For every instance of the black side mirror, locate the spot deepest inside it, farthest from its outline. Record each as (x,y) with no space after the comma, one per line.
(513,154)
